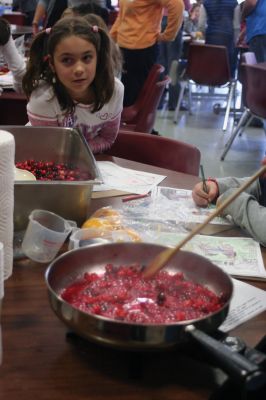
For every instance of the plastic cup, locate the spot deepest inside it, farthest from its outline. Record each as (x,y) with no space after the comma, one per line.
(45,235)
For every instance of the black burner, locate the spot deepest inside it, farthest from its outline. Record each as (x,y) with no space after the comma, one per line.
(183,365)
(231,391)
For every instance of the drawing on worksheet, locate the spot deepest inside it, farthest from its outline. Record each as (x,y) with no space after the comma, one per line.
(125,179)
(173,205)
(237,256)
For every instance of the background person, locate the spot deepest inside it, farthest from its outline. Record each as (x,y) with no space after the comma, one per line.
(137,31)
(254,13)
(27,7)
(12,57)
(217,22)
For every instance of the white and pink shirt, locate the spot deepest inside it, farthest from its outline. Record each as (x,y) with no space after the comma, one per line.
(100,128)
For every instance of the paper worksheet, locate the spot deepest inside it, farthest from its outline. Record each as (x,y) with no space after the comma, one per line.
(238,256)
(247,302)
(175,205)
(125,179)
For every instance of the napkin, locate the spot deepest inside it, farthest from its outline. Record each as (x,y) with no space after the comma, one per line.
(7,155)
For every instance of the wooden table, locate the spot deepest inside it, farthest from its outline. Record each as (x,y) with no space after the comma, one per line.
(39,362)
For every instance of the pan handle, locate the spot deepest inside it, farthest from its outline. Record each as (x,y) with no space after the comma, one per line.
(238,367)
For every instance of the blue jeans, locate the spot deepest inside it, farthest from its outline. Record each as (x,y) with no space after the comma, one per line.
(170,51)
(258,45)
(227,40)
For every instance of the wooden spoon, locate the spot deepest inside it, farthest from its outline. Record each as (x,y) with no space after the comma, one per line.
(162,258)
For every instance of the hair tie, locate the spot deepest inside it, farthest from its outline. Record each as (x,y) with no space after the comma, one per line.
(46,58)
(48,30)
(95,28)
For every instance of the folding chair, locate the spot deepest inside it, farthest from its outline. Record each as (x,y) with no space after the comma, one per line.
(130,113)
(145,117)
(208,65)
(247,58)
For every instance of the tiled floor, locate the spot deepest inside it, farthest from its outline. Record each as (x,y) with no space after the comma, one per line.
(204,130)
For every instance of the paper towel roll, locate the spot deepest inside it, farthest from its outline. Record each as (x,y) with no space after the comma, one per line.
(1,274)
(7,160)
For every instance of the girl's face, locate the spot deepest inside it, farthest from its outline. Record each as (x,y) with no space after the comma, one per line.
(75,62)
(194,16)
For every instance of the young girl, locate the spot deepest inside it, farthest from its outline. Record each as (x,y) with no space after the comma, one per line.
(70,82)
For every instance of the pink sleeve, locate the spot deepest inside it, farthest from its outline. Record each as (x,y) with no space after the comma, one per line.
(35,120)
(106,136)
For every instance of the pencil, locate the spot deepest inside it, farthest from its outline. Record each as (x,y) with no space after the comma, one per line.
(135,197)
(205,188)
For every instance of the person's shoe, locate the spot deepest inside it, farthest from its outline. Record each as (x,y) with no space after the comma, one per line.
(4,31)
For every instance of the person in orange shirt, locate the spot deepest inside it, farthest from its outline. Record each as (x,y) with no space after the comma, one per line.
(137,31)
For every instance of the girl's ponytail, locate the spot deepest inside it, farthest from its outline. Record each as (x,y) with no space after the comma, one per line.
(38,64)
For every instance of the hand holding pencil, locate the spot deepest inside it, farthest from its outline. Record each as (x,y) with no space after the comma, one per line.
(205,192)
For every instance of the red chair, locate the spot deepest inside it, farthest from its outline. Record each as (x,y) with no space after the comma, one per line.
(129,114)
(145,118)
(15,18)
(247,116)
(158,151)
(208,65)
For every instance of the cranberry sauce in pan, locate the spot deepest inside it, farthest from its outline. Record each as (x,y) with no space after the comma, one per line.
(122,294)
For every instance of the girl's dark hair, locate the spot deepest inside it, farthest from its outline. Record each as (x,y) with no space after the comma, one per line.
(44,45)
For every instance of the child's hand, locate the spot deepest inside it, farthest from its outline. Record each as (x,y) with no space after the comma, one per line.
(200,197)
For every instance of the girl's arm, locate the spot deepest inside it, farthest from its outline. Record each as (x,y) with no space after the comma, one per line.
(174,20)
(248,7)
(247,213)
(39,15)
(15,62)
(106,137)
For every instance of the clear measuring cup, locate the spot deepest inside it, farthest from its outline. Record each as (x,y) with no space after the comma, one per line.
(45,235)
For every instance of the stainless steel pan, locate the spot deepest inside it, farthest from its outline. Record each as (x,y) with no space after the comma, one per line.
(72,265)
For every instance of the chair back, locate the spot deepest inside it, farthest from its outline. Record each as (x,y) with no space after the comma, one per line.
(15,18)
(157,150)
(208,64)
(255,76)
(246,58)
(129,114)
(146,116)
